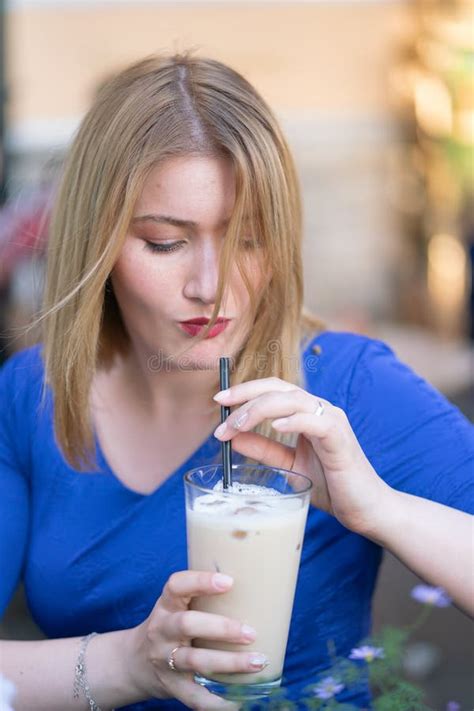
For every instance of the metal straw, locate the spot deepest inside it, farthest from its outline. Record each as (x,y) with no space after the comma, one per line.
(226,448)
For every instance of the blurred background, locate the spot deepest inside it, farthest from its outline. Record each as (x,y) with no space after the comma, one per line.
(377,101)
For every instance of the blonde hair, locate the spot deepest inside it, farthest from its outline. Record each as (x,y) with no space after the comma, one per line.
(161,107)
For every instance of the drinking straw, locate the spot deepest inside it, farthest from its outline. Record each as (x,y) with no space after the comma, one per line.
(226,449)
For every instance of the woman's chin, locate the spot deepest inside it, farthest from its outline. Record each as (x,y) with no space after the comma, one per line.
(201,358)
(200,355)
(204,356)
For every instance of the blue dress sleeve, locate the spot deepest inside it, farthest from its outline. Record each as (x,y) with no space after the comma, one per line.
(14,487)
(415,439)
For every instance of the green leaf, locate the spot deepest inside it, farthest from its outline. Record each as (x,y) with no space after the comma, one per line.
(401,697)
(312,704)
(392,640)
(281,705)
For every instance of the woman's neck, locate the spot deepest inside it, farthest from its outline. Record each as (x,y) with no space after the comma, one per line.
(167,392)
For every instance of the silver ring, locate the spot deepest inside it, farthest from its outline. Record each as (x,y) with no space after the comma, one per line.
(320,409)
(171,662)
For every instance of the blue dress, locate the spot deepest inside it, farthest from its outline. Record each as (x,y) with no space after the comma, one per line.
(94,555)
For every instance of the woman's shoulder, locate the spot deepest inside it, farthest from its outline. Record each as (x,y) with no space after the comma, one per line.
(329,362)
(22,373)
(21,395)
(343,346)
(354,371)
(338,356)
(28,359)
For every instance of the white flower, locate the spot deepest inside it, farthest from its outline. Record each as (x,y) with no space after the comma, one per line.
(429,595)
(367,653)
(328,688)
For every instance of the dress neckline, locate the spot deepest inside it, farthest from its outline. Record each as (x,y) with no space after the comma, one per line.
(207,449)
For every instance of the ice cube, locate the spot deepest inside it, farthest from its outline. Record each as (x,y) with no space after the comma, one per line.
(246,510)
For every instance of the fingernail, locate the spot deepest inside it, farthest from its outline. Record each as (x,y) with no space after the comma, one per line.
(258,661)
(219,431)
(222,581)
(248,633)
(222,395)
(239,421)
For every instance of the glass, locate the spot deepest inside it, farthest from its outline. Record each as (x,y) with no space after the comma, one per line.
(256,536)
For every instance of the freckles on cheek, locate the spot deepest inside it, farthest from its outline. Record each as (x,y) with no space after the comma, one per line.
(141,283)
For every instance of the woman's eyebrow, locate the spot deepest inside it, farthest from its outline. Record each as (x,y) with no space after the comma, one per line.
(167,220)
(176,221)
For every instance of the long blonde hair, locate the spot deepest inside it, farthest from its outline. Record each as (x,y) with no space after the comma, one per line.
(161,107)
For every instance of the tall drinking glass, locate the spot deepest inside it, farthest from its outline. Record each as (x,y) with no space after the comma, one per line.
(253,532)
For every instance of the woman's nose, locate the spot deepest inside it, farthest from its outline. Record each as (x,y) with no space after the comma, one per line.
(203,275)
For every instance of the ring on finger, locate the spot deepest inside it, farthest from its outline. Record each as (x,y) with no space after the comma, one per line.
(171,660)
(319,409)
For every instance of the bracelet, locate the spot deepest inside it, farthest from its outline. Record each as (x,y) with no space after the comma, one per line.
(80,678)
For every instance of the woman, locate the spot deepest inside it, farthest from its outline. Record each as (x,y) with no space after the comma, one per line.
(176,239)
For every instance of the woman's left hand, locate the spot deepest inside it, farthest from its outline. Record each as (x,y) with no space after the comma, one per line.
(327,451)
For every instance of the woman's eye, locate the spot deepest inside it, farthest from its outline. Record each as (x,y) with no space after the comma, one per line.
(163,248)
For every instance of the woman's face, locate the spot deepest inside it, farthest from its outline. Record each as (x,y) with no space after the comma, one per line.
(167,272)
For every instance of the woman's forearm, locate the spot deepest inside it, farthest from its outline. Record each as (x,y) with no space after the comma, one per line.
(43,672)
(433,540)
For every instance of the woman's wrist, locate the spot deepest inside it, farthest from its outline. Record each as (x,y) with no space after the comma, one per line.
(382,520)
(113,669)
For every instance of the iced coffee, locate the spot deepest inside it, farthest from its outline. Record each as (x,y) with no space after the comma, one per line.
(254,532)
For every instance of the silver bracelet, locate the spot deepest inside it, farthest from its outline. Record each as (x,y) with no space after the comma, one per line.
(80,671)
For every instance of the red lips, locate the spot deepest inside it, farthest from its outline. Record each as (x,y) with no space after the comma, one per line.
(194,326)
(202,320)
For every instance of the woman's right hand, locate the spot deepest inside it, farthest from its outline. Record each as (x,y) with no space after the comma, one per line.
(173,625)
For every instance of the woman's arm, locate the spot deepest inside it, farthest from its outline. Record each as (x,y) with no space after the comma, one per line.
(435,541)
(43,672)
